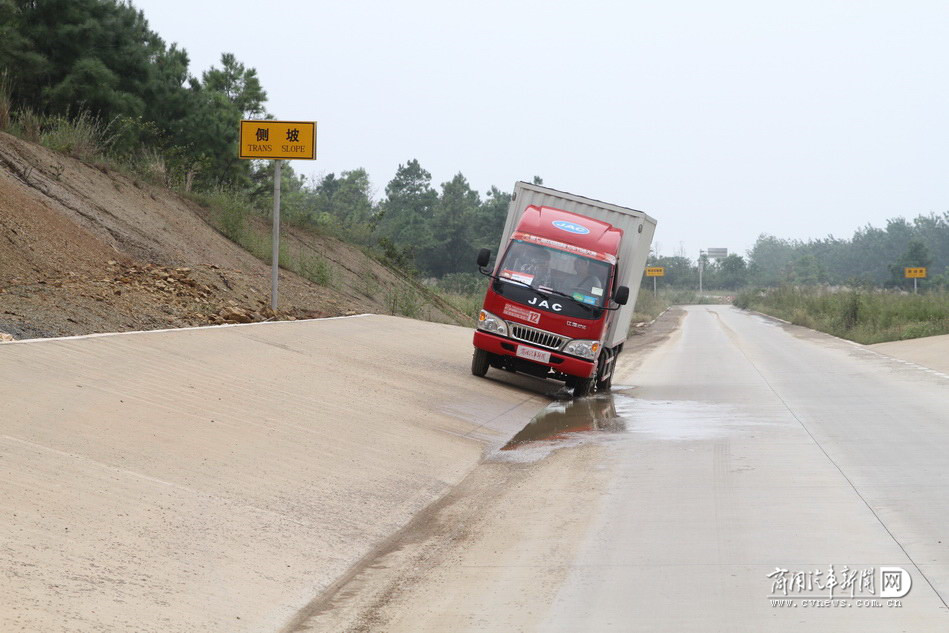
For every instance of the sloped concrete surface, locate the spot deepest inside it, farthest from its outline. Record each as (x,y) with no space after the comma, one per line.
(930,351)
(217,479)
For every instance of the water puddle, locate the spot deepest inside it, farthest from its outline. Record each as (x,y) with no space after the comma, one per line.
(679,419)
(562,419)
(617,417)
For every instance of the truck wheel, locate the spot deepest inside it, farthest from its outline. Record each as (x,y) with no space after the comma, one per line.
(584,387)
(605,384)
(479,362)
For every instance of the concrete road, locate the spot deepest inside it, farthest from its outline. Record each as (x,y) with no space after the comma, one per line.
(747,463)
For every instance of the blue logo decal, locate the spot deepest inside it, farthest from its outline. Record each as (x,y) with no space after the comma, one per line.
(571,227)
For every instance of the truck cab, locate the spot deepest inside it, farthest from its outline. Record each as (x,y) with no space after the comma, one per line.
(550,299)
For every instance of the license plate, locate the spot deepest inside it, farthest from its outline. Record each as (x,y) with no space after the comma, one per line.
(533,354)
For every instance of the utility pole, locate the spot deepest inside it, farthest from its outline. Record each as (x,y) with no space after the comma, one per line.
(701,268)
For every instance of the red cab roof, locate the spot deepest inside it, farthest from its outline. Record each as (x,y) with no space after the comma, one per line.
(570,228)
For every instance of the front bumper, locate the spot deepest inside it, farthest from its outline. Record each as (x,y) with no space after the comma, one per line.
(502,346)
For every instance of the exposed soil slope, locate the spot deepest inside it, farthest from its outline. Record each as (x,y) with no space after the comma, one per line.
(86,249)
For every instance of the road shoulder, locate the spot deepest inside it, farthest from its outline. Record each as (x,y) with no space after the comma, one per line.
(931,351)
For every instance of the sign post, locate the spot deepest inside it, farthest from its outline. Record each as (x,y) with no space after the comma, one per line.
(275,257)
(915,273)
(655,271)
(277,141)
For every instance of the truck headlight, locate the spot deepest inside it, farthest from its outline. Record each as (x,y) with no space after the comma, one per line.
(582,348)
(491,323)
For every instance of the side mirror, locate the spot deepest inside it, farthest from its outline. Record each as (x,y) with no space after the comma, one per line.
(483,256)
(621,296)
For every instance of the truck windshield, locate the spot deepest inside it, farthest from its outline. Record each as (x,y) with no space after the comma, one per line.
(583,278)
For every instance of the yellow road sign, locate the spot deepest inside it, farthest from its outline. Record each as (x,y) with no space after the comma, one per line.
(917,272)
(280,140)
(655,271)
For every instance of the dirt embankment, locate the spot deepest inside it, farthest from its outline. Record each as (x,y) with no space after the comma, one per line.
(86,249)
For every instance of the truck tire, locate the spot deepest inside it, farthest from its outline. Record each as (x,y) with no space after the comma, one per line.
(584,386)
(605,384)
(479,362)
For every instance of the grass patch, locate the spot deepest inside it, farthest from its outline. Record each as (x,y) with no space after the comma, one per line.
(314,268)
(367,282)
(650,305)
(464,292)
(862,316)
(469,303)
(83,136)
(403,302)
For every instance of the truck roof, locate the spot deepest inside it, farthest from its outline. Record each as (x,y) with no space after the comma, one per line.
(571,228)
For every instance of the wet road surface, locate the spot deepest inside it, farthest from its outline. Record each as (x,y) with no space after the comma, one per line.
(745,465)
(751,450)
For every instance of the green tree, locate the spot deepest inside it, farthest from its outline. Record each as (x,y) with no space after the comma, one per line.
(238,84)
(455,229)
(915,255)
(490,218)
(680,272)
(405,215)
(807,270)
(340,204)
(217,103)
(99,55)
(769,259)
(352,204)
(733,272)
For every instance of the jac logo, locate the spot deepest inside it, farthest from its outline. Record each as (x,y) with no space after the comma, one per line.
(542,303)
(571,227)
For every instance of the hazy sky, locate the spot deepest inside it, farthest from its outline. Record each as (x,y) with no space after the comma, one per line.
(722,120)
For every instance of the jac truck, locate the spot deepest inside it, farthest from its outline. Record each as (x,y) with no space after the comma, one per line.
(559,302)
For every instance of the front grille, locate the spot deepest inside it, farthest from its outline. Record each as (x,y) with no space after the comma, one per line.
(537,337)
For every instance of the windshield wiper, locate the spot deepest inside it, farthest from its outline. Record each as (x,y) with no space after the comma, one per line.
(519,282)
(537,291)
(588,307)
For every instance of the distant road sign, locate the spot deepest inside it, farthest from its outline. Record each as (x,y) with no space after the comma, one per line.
(655,271)
(718,253)
(278,140)
(918,272)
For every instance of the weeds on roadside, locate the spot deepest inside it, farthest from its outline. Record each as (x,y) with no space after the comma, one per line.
(367,283)
(862,316)
(403,302)
(315,268)
(83,136)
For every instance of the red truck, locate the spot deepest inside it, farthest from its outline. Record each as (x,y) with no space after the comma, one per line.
(558,302)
